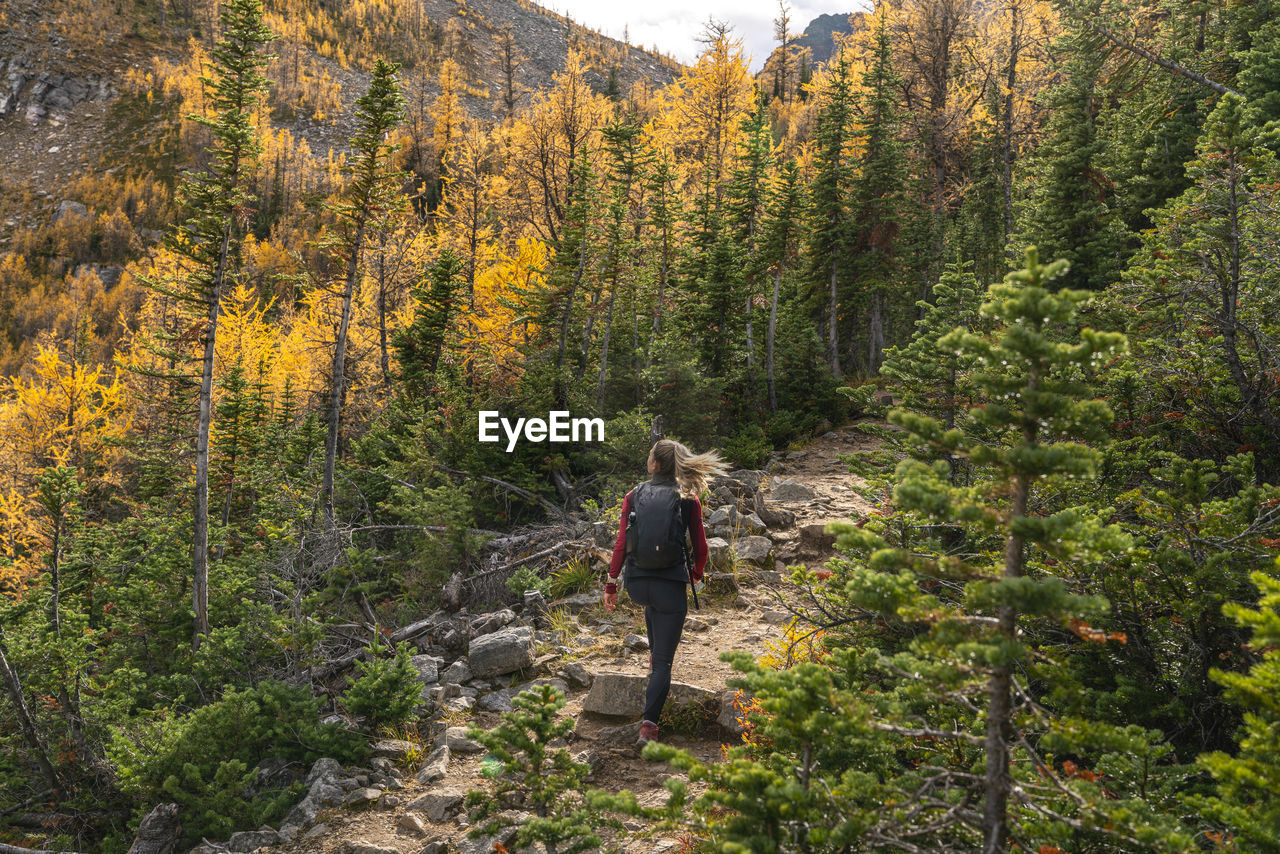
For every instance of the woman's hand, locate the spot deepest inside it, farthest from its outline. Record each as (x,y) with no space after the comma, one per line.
(610,601)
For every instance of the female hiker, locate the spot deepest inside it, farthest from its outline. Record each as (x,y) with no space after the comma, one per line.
(659,565)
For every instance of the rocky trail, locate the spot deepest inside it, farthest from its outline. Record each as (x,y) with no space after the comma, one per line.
(409,799)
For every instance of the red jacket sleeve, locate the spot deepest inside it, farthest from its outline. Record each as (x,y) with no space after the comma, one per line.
(699,537)
(620,546)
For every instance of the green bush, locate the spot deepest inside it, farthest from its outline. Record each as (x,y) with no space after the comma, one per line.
(528,578)
(205,761)
(748,448)
(387,690)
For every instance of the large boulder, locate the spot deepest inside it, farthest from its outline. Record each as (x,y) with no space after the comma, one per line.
(815,540)
(718,556)
(504,651)
(622,695)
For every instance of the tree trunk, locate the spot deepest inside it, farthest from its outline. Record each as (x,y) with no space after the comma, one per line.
(200,548)
(385,359)
(339,376)
(769,335)
(26,722)
(875,335)
(561,393)
(833,335)
(604,350)
(751,338)
(1006,144)
(998,782)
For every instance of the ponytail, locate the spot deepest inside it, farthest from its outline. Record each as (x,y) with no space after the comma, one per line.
(691,471)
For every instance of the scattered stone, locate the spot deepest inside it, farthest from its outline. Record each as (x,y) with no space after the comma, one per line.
(159,831)
(775,617)
(577,675)
(489,623)
(622,694)
(748,477)
(428,667)
(729,713)
(359,846)
(382,763)
(558,684)
(319,830)
(504,651)
(440,804)
(251,840)
(797,455)
(455,737)
(696,624)
(718,552)
(460,704)
(767,576)
(495,701)
(409,822)
(774,517)
(753,549)
(577,602)
(324,767)
(790,491)
(392,748)
(814,538)
(635,643)
(363,796)
(435,767)
(535,606)
(288,833)
(456,674)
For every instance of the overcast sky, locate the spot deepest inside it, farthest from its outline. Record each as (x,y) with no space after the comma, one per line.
(673,25)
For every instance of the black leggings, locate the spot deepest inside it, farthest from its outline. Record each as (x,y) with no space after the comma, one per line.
(665,607)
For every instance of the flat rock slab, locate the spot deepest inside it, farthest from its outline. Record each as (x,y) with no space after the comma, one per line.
(788,491)
(622,695)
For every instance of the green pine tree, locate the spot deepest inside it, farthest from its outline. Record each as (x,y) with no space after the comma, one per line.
(216,206)
(373,194)
(1248,799)
(1071,211)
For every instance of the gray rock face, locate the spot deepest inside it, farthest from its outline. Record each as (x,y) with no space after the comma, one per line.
(251,840)
(439,804)
(504,651)
(410,823)
(436,766)
(789,491)
(622,695)
(774,517)
(324,768)
(753,549)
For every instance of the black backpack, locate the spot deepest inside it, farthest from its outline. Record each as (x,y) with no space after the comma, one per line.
(655,529)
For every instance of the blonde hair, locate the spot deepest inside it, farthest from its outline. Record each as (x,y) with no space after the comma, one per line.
(691,471)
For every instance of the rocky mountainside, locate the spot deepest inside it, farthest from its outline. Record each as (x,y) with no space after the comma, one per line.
(409,798)
(65,75)
(811,48)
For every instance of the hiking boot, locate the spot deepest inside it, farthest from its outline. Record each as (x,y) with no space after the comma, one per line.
(648,733)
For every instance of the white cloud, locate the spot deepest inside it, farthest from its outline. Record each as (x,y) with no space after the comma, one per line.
(673,26)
